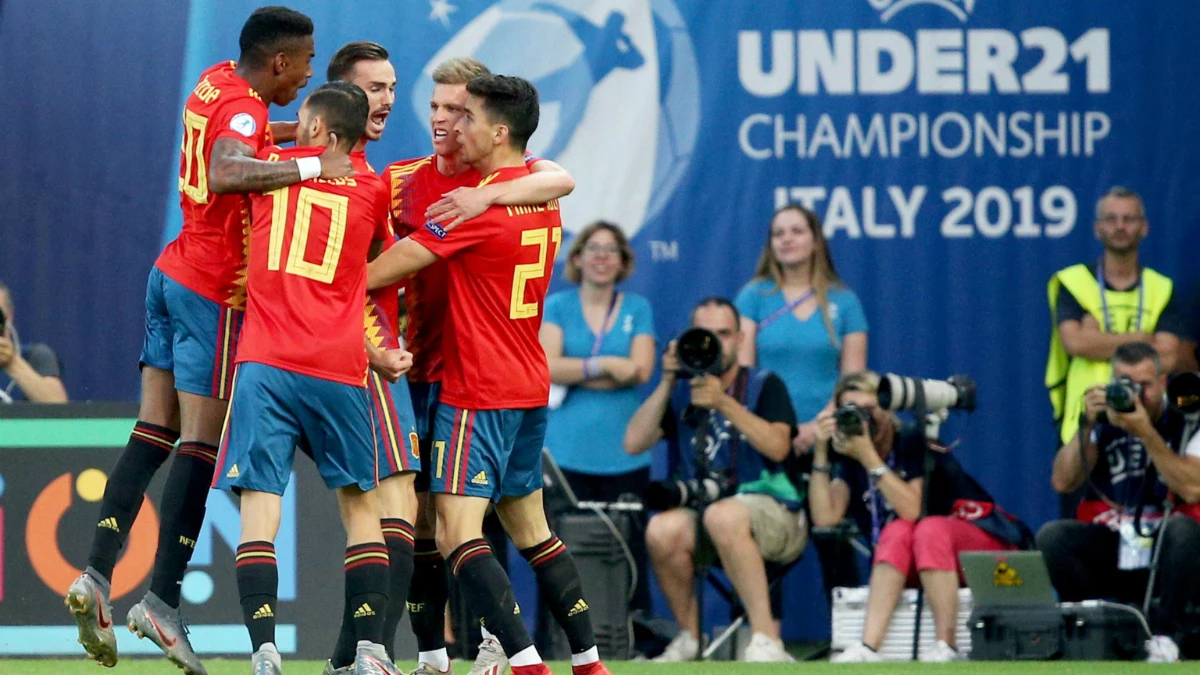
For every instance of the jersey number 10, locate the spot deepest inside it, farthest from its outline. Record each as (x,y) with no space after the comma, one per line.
(523,274)
(306,201)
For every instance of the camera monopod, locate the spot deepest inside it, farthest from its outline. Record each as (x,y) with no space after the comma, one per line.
(703,551)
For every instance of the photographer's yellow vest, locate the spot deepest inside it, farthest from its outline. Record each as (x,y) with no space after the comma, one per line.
(1067,377)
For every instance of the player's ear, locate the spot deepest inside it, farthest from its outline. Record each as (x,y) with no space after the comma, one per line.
(500,136)
(279,64)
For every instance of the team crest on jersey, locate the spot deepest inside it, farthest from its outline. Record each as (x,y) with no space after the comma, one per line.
(244,124)
(437,230)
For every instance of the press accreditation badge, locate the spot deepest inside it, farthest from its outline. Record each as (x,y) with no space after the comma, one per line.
(1135,551)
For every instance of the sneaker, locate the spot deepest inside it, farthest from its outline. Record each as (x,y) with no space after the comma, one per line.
(266,661)
(87,599)
(685,647)
(330,669)
(940,652)
(1161,649)
(164,626)
(491,659)
(593,668)
(426,669)
(765,649)
(372,659)
(857,653)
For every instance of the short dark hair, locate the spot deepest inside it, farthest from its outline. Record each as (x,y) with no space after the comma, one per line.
(511,100)
(343,62)
(344,107)
(715,301)
(1133,353)
(267,29)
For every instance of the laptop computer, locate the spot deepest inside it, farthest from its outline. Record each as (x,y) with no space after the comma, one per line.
(1008,579)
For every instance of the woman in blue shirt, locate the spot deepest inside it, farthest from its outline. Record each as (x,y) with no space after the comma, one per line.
(600,345)
(799,320)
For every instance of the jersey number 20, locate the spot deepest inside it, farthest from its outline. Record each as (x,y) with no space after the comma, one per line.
(306,201)
(523,274)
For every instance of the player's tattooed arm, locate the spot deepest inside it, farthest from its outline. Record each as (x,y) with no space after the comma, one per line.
(399,261)
(546,181)
(235,169)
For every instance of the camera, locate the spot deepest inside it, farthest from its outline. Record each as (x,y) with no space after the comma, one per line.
(1120,395)
(1183,392)
(900,393)
(850,419)
(699,353)
(671,494)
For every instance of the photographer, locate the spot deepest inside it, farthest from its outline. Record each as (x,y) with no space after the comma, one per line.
(1127,451)
(27,372)
(747,434)
(877,477)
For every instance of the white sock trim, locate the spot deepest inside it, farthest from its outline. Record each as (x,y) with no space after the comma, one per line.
(526,657)
(438,659)
(584,658)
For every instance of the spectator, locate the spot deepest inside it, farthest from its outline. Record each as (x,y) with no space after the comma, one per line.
(747,435)
(1130,461)
(878,479)
(30,372)
(799,320)
(1136,306)
(600,345)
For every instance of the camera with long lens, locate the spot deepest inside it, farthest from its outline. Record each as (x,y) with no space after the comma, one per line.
(901,393)
(850,419)
(1121,395)
(1183,392)
(699,353)
(692,493)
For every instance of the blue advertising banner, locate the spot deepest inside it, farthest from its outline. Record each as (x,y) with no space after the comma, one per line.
(955,150)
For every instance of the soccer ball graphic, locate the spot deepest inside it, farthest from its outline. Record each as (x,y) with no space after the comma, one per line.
(619,96)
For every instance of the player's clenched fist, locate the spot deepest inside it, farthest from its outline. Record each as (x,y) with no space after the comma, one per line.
(392,363)
(335,164)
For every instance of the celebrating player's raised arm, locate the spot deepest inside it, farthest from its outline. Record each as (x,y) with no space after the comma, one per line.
(399,261)
(235,169)
(546,181)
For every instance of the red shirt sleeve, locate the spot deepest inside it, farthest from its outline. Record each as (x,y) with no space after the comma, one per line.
(244,119)
(446,244)
(381,216)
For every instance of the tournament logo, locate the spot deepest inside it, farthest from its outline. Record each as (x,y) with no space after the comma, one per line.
(619,94)
(961,9)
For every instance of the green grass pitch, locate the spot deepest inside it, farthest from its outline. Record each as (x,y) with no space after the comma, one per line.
(147,666)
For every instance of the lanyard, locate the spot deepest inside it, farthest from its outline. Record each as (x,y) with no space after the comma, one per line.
(787,307)
(612,305)
(1104,298)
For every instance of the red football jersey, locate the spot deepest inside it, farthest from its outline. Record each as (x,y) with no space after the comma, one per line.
(382,317)
(308,273)
(499,268)
(209,255)
(415,184)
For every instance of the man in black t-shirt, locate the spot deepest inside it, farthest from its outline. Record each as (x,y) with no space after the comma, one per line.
(1130,462)
(27,372)
(748,426)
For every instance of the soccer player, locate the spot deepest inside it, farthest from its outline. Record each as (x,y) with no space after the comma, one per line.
(444,182)
(194,301)
(366,65)
(301,371)
(491,419)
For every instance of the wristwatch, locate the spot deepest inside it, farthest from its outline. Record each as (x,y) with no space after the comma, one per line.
(878,472)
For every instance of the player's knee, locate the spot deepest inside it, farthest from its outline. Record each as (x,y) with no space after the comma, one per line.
(397,499)
(201,418)
(160,402)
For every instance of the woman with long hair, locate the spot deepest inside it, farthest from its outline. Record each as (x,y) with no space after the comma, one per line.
(799,319)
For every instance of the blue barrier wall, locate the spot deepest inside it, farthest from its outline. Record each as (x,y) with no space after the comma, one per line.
(955,149)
